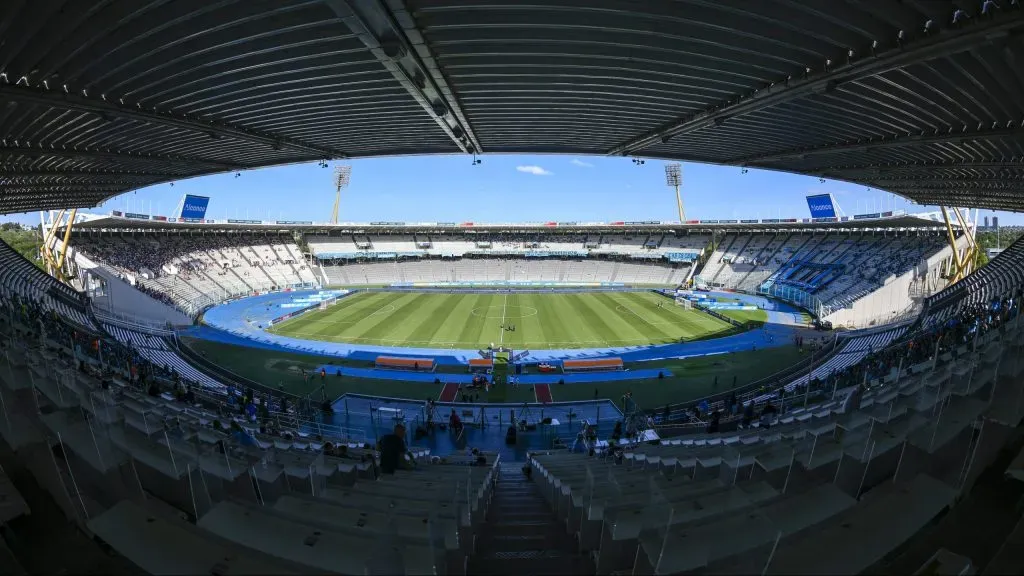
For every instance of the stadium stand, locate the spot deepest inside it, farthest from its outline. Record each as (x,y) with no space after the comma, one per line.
(841,475)
(785,482)
(851,280)
(193,272)
(776,497)
(854,279)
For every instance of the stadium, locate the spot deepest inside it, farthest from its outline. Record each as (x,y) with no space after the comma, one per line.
(824,393)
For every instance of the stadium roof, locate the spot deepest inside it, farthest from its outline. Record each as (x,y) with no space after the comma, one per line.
(98,97)
(878,221)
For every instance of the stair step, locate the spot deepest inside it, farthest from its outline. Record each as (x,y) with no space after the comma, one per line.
(507,543)
(529,563)
(527,516)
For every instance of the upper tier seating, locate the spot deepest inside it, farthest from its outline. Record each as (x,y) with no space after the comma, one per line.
(192,272)
(657,246)
(489,270)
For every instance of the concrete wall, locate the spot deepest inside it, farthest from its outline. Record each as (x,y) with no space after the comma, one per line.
(894,299)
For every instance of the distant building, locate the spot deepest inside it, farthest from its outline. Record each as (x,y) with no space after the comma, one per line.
(995,222)
(986,221)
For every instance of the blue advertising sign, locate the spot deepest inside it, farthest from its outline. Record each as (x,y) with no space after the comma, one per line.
(194,207)
(821,206)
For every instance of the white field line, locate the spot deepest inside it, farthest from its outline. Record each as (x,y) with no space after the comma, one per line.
(501,331)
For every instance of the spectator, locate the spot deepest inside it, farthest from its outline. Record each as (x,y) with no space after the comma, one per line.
(393,450)
(455,423)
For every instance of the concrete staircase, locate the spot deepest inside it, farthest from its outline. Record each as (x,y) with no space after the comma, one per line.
(521,535)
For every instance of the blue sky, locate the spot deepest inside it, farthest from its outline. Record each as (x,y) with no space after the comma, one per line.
(506,188)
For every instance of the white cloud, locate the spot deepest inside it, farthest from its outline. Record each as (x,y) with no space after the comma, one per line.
(581,163)
(535,170)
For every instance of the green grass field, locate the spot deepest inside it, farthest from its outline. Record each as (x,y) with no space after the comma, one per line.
(542,321)
(692,378)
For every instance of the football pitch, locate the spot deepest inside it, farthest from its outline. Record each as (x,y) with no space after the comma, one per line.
(474,321)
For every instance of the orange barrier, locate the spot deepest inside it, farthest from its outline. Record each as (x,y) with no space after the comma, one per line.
(426,364)
(593,364)
(480,363)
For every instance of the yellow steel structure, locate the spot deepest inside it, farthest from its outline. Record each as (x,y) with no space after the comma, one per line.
(962,263)
(55,259)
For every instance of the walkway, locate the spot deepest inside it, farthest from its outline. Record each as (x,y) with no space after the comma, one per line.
(521,535)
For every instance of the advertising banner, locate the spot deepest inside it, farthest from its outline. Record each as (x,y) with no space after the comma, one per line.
(822,206)
(866,216)
(194,206)
(770,221)
(728,221)
(230,221)
(117,213)
(749,221)
(160,218)
(824,219)
(191,220)
(134,216)
(296,222)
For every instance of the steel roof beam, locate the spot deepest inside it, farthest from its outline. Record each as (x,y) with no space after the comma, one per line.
(945,182)
(216,129)
(1016,164)
(871,145)
(390,33)
(20,172)
(115,156)
(60,188)
(944,43)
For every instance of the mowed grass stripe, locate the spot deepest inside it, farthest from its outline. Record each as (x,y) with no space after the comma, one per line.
(377,327)
(639,325)
(432,322)
(370,309)
(560,323)
(473,330)
(469,321)
(692,324)
(326,322)
(598,327)
(459,319)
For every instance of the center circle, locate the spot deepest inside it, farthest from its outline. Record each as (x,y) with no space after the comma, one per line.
(509,312)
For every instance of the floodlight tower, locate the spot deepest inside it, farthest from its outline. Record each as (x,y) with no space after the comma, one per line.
(342,176)
(674,178)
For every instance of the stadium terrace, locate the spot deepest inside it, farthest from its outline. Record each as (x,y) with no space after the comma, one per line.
(838,394)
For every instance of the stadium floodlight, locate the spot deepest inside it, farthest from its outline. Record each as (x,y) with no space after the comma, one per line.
(342,176)
(674,178)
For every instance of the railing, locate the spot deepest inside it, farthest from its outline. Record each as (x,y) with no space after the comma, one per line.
(132,322)
(795,296)
(754,389)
